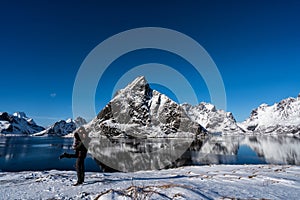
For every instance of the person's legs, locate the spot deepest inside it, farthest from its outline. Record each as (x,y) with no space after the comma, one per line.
(80,170)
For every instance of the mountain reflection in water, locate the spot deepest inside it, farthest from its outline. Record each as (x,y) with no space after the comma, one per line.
(149,154)
(41,153)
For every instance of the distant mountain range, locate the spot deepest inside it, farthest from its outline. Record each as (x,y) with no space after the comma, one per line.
(139,111)
(280,118)
(19,124)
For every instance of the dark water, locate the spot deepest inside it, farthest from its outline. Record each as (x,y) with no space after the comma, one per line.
(41,153)
(38,153)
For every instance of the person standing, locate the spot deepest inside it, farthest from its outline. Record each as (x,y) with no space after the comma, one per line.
(80,154)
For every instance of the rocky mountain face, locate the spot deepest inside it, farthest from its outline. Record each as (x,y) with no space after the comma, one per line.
(79,121)
(280,118)
(62,127)
(138,111)
(18,123)
(214,120)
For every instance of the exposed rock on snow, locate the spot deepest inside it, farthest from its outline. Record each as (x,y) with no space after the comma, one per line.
(138,111)
(60,128)
(79,121)
(212,119)
(18,123)
(280,118)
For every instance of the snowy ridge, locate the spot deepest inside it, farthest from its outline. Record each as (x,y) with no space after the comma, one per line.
(139,111)
(17,124)
(280,118)
(212,119)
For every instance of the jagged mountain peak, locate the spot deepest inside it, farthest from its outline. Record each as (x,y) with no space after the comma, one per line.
(69,120)
(79,121)
(63,127)
(20,115)
(139,87)
(264,105)
(140,81)
(59,128)
(207,106)
(137,110)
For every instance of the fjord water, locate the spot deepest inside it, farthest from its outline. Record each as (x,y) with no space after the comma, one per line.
(38,153)
(41,153)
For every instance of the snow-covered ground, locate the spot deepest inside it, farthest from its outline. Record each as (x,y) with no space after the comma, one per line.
(196,182)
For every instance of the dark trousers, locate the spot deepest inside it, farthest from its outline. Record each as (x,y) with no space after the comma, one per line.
(80,169)
(79,166)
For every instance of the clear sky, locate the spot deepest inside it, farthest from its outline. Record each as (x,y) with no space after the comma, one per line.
(255,45)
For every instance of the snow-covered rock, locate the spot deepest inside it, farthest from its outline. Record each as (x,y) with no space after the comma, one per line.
(280,118)
(138,111)
(212,119)
(79,121)
(18,123)
(60,128)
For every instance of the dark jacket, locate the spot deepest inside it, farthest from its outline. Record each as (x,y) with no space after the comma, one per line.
(80,150)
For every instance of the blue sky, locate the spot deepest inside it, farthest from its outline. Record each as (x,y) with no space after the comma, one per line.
(255,45)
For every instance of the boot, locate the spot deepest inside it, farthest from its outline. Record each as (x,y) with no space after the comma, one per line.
(77,183)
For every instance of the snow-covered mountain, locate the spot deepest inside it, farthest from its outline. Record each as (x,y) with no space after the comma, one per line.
(60,128)
(17,123)
(139,111)
(79,121)
(280,118)
(212,119)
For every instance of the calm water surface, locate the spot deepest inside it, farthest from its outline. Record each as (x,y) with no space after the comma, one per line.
(38,153)
(41,153)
